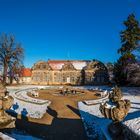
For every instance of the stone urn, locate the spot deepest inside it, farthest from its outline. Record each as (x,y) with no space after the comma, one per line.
(115,109)
(6,101)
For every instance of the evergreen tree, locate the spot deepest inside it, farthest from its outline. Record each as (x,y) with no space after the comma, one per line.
(130,38)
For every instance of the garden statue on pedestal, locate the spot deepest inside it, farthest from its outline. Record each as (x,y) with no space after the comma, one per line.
(115,109)
(6,101)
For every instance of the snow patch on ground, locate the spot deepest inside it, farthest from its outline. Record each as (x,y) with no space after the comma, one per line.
(27,106)
(132,120)
(95,124)
(20,135)
(6,137)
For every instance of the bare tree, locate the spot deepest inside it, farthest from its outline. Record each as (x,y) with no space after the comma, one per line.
(11,53)
(15,71)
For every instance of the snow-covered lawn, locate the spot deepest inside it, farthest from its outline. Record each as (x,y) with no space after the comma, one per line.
(96,125)
(133,118)
(25,105)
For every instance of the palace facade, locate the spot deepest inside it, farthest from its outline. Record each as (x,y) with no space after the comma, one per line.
(73,72)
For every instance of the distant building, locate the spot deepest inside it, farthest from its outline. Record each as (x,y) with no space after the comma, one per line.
(25,77)
(74,72)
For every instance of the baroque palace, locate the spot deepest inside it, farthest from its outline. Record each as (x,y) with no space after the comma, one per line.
(73,72)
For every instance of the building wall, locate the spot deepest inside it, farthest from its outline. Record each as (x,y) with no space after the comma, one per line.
(93,74)
(89,77)
(96,77)
(25,80)
(56,77)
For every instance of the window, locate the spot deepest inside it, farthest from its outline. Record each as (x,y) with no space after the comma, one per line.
(72,79)
(59,77)
(102,79)
(55,78)
(38,78)
(44,66)
(38,66)
(64,79)
(48,77)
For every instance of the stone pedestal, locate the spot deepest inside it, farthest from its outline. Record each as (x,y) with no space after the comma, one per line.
(119,131)
(6,121)
(6,101)
(115,130)
(2,90)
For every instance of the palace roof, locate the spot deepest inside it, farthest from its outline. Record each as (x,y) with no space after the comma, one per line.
(58,64)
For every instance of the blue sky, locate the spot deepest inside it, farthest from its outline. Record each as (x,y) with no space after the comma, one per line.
(67,29)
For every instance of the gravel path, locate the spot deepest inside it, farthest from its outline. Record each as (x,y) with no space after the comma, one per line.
(62,117)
